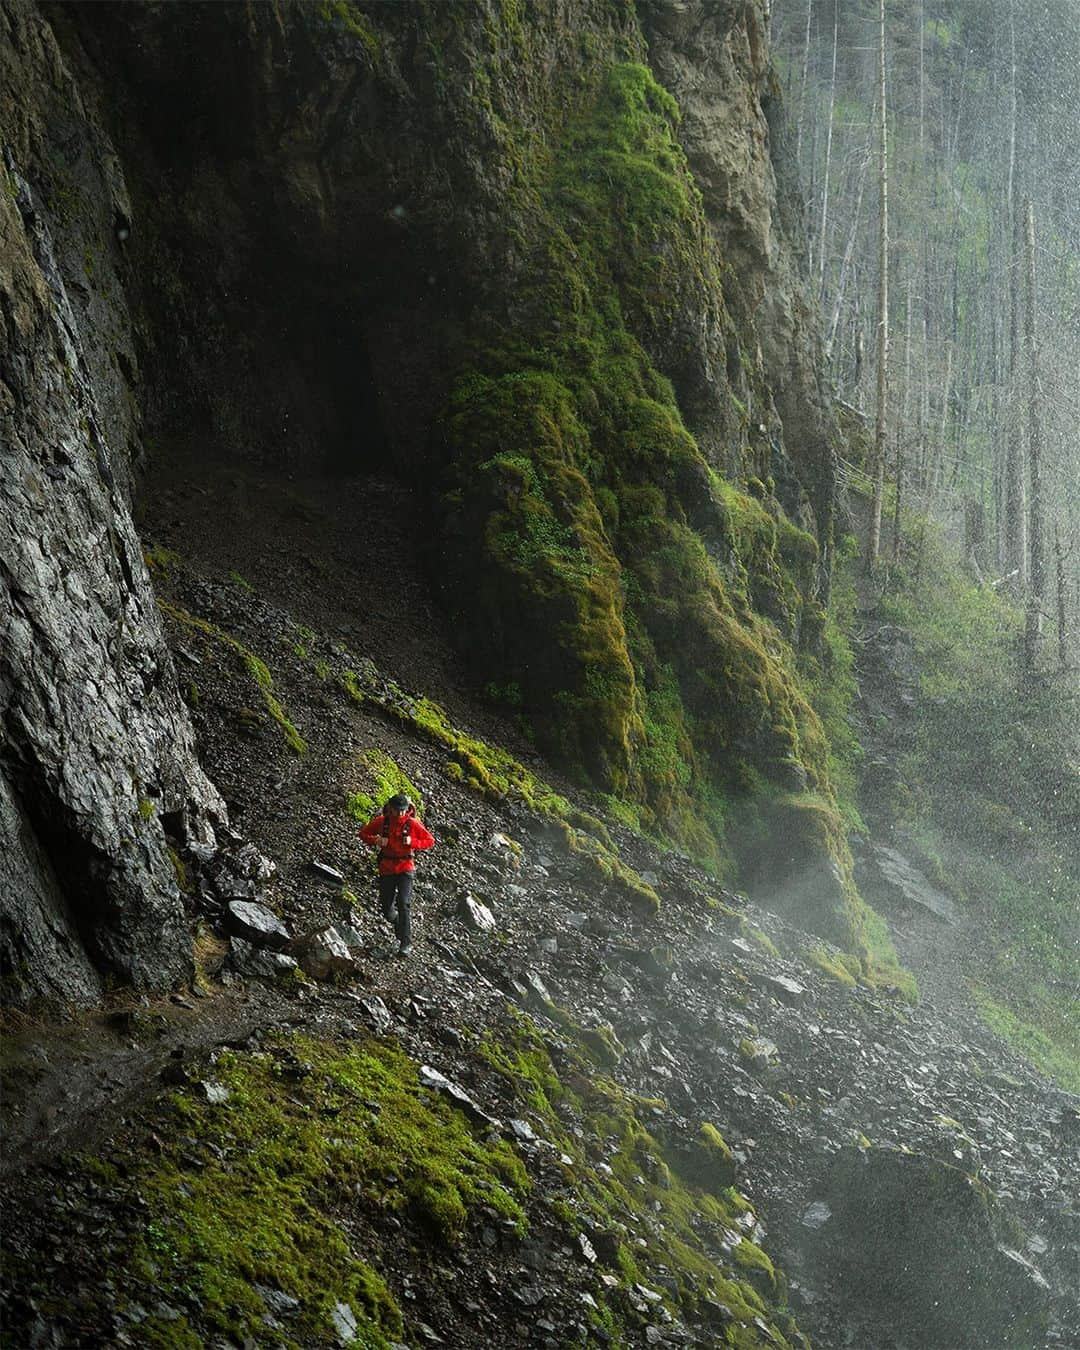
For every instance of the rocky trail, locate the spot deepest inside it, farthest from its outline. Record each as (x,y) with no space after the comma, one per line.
(545,1008)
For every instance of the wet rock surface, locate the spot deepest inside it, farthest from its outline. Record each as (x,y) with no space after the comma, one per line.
(853,1122)
(97,757)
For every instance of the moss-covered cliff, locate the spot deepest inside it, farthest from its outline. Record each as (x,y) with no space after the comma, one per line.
(534,259)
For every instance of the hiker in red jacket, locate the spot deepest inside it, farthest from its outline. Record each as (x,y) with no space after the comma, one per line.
(397,833)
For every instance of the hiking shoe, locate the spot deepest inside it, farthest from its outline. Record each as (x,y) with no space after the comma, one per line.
(404,949)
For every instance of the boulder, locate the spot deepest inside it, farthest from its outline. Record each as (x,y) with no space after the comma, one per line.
(256,924)
(324,954)
(476,914)
(259,961)
(893,882)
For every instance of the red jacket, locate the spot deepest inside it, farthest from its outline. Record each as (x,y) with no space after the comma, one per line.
(395,857)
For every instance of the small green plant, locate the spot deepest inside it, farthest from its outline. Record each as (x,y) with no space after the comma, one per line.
(161,561)
(507,694)
(348,15)
(243,583)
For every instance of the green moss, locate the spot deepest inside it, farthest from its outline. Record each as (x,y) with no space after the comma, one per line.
(253,665)
(179,867)
(685,1191)
(161,561)
(349,16)
(146,808)
(751,1258)
(708,1164)
(599,1042)
(759,938)
(243,1191)
(384,779)
(1057,1055)
(837,965)
(351,684)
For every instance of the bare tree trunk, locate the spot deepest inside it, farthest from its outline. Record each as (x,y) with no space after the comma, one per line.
(802,85)
(882,408)
(828,153)
(1012,111)
(924,397)
(1015,541)
(849,252)
(1062,633)
(1010,488)
(903,430)
(922,77)
(937,468)
(1037,580)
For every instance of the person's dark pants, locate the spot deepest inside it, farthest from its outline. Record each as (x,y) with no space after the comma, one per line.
(395,896)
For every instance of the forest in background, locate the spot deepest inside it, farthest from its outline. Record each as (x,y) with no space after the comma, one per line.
(967,403)
(982,103)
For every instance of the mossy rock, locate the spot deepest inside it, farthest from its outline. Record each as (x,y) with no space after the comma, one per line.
(583,510)
(243,1191)
(707,1163)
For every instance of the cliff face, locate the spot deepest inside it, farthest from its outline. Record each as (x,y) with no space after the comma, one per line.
(536,255)
(716,62)
(97,751)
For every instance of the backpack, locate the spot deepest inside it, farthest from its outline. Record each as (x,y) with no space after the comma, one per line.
(402,819)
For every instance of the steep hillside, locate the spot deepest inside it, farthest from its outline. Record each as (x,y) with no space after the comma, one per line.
(480,249)
(971,784)
(650,1129)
